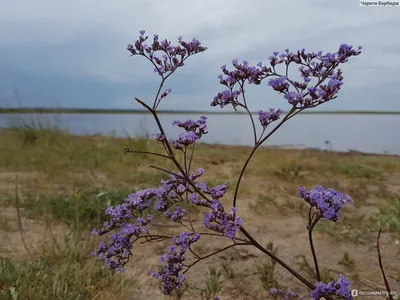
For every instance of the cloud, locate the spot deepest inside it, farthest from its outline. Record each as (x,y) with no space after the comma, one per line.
(76,51)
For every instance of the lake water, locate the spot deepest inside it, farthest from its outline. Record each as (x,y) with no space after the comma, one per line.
(365,133)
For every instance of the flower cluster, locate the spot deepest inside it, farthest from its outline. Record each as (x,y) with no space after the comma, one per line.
(227,97)
(184,140)
(172,58)
(220,221)
(165,94)
(194,131)
(328,202)
(116,253)
(170,272)
(171,193)
(318,65)
(217,220)
(199,127)
(289,295)
(339,288)
(267,117)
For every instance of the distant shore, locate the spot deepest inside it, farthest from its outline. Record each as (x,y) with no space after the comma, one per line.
(133,111)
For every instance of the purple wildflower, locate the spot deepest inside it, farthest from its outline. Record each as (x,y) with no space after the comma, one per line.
(172,57)
(339,288)
(176,215)
(328,202)
(226,97)
(277,294)
(279,84)
(267,117)
(220,221)
(165,94)
(170,272)
(116,254)
(294,98)
(159,137)
(318,65)
(199,127)
(184,140)
(171,193)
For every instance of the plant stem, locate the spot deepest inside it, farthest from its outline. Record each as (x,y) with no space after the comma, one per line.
(310,229)
(381,266)
(252,153)
(278,260)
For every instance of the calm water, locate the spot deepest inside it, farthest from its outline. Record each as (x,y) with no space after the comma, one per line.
(366,133)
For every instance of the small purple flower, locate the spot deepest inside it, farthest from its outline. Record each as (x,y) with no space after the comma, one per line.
(220,221)
(199,127)
(165,94)
(294,98)
(339,288)
(184,140)
(171,192)
(328,202)
(116,254)
(267,117)
(277,294)
(159,137)
(172,57)
(279,84)
(226,97)
(172,263)
(318,65)
(176,215)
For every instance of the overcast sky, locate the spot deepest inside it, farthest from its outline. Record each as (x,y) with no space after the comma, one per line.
(73,53)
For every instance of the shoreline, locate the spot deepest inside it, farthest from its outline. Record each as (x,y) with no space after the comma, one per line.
(4,131)
(42,110)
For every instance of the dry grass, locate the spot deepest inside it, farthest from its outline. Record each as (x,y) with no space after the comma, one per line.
(65,183)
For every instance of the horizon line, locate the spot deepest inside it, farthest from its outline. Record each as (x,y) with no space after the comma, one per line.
(139,111)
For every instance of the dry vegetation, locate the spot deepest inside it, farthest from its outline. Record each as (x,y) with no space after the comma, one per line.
(54,188)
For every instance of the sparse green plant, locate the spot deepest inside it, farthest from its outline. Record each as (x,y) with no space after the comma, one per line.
(262,203)
(85,211)
(356,171)
(305,266)
(31,131)
(228,270)
(290,172)
(348,262)
(348,231)
(66,275)
(388,216)
(266,270)
(213,284)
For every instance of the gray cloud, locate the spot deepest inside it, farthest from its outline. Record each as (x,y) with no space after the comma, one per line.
(74,53)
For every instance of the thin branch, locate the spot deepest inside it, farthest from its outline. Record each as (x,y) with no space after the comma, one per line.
(169,150)
(252,153)
(166,171)
(310,228)
(213,253)
(127,150)
(278,260)
(381,266)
